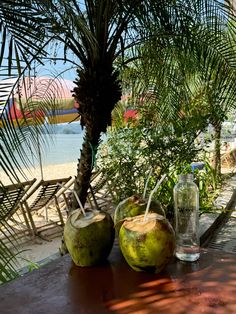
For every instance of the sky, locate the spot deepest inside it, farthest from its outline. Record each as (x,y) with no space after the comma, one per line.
(65,70)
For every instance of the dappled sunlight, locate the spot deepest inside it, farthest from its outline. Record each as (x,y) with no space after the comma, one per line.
(207,286)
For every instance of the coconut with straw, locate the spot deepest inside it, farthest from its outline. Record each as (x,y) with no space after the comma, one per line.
(136,205)
(147,241)
(89,235)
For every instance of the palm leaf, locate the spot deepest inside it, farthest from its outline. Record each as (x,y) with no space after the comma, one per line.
(39,96)
(20,25)
(194,36)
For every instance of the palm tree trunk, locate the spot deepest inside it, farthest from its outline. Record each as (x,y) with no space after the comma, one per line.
(98,90)
(85,165)
(217,152)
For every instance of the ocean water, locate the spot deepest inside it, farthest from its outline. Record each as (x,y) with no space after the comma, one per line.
(61,148)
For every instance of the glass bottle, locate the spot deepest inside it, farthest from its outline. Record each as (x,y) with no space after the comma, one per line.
(186,201)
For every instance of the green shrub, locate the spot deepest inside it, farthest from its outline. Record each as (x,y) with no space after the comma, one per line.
(129,153)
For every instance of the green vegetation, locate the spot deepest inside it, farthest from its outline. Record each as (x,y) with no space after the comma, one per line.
(129,154)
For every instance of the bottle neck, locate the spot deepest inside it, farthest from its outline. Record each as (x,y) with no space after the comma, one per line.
(185,177)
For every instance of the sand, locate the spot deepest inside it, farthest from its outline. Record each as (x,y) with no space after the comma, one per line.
(49,172)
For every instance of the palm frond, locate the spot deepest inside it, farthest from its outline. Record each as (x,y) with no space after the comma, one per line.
(186,38)
(22,33)
(7,264)
(20,139)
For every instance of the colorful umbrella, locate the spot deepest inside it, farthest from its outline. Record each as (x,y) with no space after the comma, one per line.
(30,94)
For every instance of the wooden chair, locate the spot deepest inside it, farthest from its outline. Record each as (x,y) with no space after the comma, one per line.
(46,192)
(99,196)
(10,200)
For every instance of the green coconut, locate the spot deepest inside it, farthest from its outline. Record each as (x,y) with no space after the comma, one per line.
(134,206)
(89,239)
(147,245)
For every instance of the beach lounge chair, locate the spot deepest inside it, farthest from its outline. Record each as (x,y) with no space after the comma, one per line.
(41,196)
(99,195)
(10,201)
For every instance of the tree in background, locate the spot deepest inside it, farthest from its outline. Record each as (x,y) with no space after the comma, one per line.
(98,32)
(195,82)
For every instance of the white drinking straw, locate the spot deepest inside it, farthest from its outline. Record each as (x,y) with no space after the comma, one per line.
(77,198)
(151,195)
(146,184)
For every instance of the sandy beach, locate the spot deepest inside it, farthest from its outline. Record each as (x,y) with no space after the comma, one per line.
(49,172)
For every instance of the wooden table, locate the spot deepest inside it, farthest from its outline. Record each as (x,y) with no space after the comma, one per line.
(206,286)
